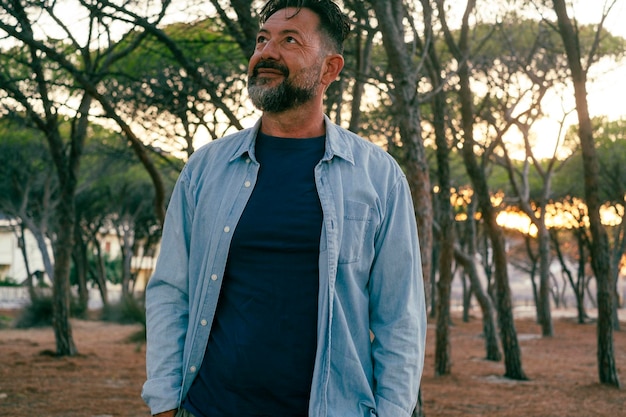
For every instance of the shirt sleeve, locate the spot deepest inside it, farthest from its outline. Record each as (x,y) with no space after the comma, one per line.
(397,307)
(167,307)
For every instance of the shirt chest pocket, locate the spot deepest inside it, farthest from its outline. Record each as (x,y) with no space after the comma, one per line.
(355,232)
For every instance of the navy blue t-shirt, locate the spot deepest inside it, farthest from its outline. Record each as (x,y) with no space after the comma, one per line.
(261,352)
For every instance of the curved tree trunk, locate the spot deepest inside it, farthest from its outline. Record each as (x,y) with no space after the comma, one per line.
(29,275)
(508,334)
(577,286)
(492,342)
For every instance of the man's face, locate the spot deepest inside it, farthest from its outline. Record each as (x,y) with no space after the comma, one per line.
(285,70)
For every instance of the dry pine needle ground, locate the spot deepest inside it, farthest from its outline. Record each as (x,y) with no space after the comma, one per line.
(105,379)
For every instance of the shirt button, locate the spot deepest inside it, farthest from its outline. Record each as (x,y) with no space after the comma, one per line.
(214,277)
(248,160)
(192,369)
(226,229)
(203,322)
(247,184)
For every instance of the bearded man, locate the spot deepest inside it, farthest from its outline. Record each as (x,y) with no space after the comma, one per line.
(289,281)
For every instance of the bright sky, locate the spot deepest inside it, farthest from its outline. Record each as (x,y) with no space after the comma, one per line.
(608,88)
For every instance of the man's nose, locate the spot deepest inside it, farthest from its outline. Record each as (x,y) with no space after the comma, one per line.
(270,50)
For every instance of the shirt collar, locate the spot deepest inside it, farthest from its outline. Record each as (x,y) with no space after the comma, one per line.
(336,142)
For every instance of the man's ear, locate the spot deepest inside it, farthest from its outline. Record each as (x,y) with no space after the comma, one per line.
(333,64)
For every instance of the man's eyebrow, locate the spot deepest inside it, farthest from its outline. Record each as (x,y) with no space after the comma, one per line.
(282,32)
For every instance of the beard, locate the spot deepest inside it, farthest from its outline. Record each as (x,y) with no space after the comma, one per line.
(289,94)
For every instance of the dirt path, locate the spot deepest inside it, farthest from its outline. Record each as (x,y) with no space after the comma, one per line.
(105,379)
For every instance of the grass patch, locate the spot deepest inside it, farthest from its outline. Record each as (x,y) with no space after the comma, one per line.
(5,321)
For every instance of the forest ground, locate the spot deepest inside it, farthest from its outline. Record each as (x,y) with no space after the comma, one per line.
(105,379)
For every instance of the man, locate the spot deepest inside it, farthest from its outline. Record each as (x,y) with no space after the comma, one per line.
(289,280)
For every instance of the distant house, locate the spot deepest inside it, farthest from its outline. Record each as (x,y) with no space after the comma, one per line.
(12,263)
(13,267)
(142,264)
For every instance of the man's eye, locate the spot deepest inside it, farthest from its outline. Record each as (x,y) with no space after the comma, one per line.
(261,39)
(290,39)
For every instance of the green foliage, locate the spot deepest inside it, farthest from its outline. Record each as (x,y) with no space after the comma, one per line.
(5,321)
(129,310)
(39,313)
(9,282)
(519,41)
(610,139)
(179,85)
(26,171)
(112,269)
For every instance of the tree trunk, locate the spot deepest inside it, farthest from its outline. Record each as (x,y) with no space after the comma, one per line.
(433,278)
(508,334)
(578,286)
(61,287)
(619,248)
(101,279)
(467,298)
(29,275)
(67,165)
(391,15)
(443,359)
(79,255)
(126,239)
(363,45)
(600,255)
(543,302)
(42,244)
(492,342)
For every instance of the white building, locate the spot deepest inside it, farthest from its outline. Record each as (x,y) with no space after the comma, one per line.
(12,264)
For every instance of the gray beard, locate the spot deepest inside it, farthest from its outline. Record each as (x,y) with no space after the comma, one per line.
(284,96)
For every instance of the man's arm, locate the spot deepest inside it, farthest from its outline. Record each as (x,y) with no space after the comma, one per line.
(167,307)
(397,307)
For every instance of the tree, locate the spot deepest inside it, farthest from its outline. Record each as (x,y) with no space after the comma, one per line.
(115,197)
(28,190)
(40,79)
(600,258)
(406,108)
(520,67)
(153,90)
(611,140)
(444,220)
(462,53)
(609,144)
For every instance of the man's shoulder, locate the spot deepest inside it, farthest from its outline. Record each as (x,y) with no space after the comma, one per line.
(362,150)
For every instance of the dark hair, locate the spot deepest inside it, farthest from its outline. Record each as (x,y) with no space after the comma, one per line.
(333,22)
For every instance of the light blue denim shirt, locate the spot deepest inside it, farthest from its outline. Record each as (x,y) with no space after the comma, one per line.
(370,276)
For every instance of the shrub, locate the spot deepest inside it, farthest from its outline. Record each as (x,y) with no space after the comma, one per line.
(39,312)
(128,310)
(9,282)
(5,321)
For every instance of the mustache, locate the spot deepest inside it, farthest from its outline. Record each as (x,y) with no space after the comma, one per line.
(270,65)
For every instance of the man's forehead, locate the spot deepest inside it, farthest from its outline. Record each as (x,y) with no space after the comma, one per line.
(294,19)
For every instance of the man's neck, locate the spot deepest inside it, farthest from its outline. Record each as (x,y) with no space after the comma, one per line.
(295,124)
